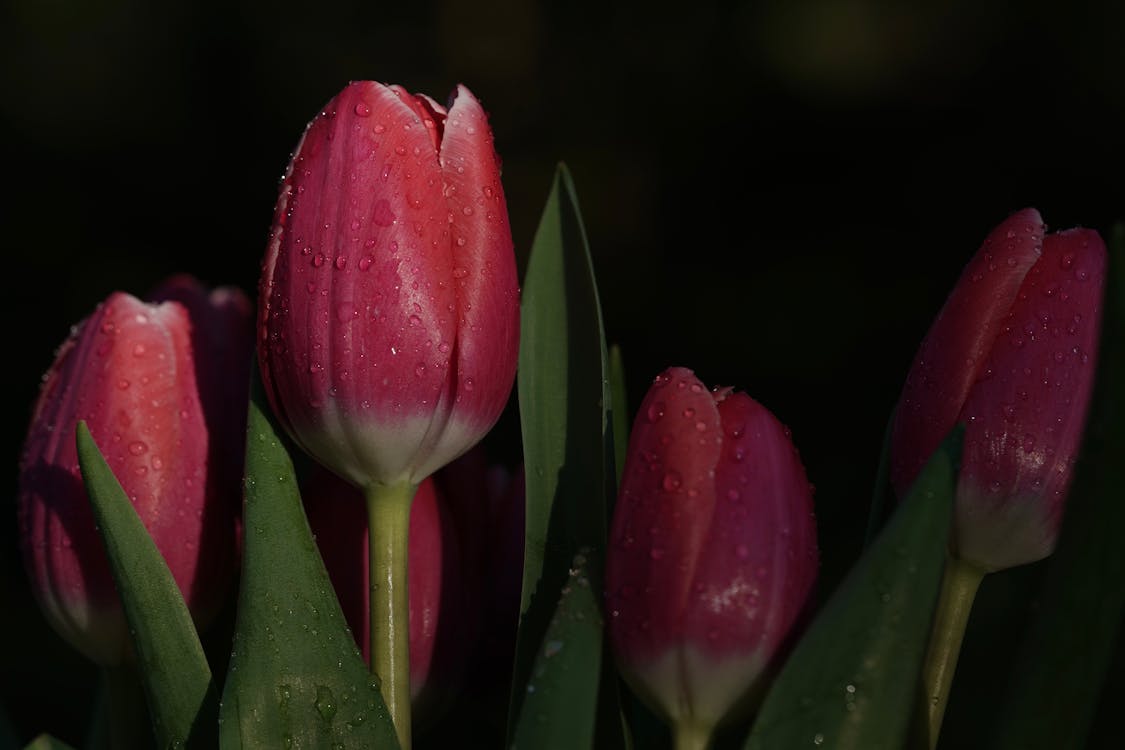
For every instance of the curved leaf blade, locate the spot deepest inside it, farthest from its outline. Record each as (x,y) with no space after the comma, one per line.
(564,398)
(847,685)
(296,677)
(170,659)
(559,709)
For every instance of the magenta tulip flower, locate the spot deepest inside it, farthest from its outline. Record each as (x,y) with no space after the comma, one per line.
(144,378)
(389,301)
(1011,356)
(712,553)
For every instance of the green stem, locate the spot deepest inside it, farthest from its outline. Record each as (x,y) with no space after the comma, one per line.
(958,589)
(691,736)
(127,723)
(388,523)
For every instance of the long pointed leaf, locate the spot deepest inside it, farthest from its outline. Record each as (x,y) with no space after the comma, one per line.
(849,683)
(170,659)
(559,711)
(564,397)
(296,678)
(1066,654)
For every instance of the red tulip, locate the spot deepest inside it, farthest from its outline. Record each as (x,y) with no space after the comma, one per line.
(1011,356)
(143,378)
(712,552)
(437,577)
(389,299)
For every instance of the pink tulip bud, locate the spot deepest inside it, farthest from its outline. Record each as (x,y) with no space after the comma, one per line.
(1011,356)
(143,377)
(712,552)
(435,572)
(389,302)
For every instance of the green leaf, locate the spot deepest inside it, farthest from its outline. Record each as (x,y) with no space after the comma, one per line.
(850,683)
(296,678)
(559,708)
(564,399)
(170,659)
(47,742)
(1066,654)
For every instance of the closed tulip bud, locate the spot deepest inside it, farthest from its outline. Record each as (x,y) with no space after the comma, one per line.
(1011,356)
(712,551)
(389,299)
(436,579)
(143,378)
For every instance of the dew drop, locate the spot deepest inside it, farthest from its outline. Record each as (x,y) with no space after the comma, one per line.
(365,262)
(137,447)
(362,110)
(382,215)
(672,481)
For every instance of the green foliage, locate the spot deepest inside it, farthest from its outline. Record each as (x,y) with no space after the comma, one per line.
(568,453)
(296,678)
(848,683)
(170,659)
(559,710)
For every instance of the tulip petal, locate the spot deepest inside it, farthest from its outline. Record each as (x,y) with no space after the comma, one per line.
(357,294)
(755,574)
(1025,414)
(954,350)
(668,490)
(486,288)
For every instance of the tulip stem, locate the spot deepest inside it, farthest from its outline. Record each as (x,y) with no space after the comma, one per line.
(959,586)
(388,523)
(691,736)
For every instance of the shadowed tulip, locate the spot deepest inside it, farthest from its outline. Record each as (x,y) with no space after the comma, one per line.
(145,378)
(712,551)
(1011,355)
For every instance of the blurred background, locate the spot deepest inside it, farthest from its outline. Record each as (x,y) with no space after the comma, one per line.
(778,195)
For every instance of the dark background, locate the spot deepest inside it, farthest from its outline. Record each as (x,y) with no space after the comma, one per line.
(778,194)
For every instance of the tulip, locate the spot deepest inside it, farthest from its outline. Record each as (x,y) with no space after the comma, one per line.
(389,299)
(712,552)
(1010,356)
(437,579)
(143,377)
(389,313)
